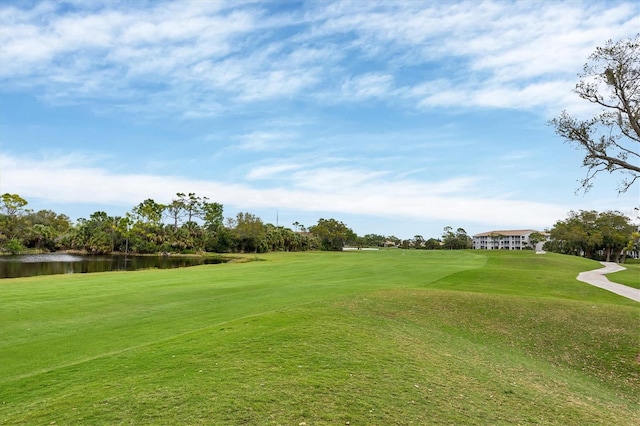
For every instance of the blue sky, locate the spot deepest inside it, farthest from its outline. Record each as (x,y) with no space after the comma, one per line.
(398,118)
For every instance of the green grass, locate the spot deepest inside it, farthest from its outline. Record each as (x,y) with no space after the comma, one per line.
(629,277)
(375,337)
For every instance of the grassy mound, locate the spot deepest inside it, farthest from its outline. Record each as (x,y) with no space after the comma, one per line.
(375,337)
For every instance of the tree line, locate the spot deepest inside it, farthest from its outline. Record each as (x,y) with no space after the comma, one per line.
(188,224)
(607,236)
(193,224)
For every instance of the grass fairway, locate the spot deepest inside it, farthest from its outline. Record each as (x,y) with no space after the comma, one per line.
(361,338)
(629,277)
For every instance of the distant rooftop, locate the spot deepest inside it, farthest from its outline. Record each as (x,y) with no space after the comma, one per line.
(507,233)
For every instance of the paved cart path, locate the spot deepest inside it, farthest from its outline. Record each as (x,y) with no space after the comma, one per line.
(597,278)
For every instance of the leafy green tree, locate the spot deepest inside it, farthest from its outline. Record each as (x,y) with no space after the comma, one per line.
(284,239)
(535,238)
(188,238)
(12,205)
(373,240)
(432,244)
(616,231)
(147,233)
(59,222)
(46,230)
(299,227)
(578,234)
(277,238)
(149,211)
(464,240)
(192,205)
(300,241)
(250,232)
(195,207)
(176,211)
(458,240)
(448,238)
(97,234)
(41,233)
(223,241)
(14,246)
(592,234)
(12,223)
(632,245)
(123,229)
(145,237)
(212,215)
(333,234)
(610,139)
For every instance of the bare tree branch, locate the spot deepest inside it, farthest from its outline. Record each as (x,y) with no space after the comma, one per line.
(611,139)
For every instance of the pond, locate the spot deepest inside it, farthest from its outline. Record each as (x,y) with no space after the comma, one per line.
(62,263)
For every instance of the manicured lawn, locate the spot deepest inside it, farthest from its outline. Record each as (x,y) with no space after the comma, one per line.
(373,337)
(629,277)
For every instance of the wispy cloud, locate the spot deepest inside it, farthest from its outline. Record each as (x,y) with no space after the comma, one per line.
(202,58)
(266,172)
(366,86)
(517,156)
(264,140)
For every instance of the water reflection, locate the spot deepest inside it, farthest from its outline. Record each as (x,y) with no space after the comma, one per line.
(62,263)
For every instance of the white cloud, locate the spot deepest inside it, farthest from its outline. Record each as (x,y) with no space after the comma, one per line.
(342,107)
(264,140)
(341,191)
(521,55)
(267,172)
(370,85)
(334,180)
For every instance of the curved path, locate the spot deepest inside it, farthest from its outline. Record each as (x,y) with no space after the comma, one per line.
(597,278)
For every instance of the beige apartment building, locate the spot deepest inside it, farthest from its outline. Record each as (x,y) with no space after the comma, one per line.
(506,240)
